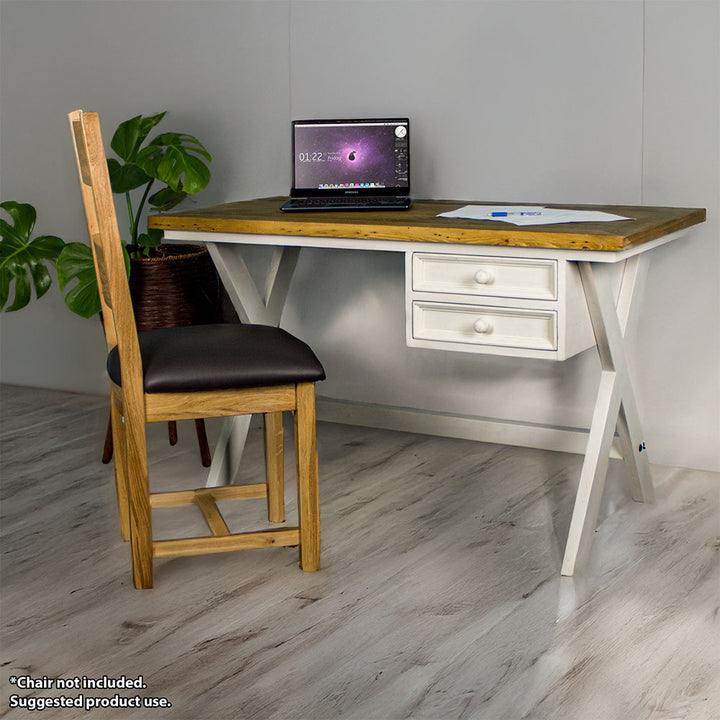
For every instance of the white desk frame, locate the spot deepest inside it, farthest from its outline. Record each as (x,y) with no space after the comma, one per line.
(612,316)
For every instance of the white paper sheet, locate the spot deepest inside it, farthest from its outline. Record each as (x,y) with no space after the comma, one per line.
(529,214)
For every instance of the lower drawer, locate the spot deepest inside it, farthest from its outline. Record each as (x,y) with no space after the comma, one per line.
(484,325)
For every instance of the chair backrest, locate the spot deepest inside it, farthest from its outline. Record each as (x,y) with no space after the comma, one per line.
(92,223)
(107,250)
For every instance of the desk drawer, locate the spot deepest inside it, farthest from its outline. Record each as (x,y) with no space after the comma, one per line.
(485,276)
(484,325)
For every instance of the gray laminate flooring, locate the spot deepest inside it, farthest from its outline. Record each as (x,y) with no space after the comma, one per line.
(440,595)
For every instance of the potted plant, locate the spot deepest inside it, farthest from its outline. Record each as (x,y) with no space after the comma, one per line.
(172,163)
(170,284)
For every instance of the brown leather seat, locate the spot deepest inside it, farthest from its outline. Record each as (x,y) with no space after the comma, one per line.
(215,357)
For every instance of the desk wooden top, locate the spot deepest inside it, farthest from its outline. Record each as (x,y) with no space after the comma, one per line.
(421,224)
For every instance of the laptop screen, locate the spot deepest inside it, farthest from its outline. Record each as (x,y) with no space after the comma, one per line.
(351,157)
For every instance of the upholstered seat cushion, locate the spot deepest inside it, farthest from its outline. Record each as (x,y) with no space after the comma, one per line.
(213,357)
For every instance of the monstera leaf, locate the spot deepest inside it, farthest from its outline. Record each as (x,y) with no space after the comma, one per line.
(76,264)
(24,261)
(126,142)
(130,135)
(176,159)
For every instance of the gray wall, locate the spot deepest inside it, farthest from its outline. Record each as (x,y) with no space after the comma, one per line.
(535,101)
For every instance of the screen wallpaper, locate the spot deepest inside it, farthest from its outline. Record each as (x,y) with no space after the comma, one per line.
(353,155)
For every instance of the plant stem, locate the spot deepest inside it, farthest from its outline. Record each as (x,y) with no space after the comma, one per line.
(136,221)
(133,232)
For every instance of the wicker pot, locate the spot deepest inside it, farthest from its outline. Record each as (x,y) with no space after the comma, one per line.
(180,287)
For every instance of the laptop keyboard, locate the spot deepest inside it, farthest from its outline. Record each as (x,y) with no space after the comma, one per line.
(388,202)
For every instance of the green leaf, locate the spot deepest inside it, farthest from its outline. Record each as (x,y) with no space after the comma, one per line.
(124,178)
(41,278)
(130,135)
(166,199)
(4,288)
(182,140)
(23,261)
(76,263)
(22,290)
(83,300)
(75,259)
(23,216)
(151,239)
(172,159)
(48,247)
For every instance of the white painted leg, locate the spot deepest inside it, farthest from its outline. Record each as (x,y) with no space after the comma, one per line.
(629,428)
(615,406)
(238,282)
(277,285)
(228,450)
(251,308)
(593,474)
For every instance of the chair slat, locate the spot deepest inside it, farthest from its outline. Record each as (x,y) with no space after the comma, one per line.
(223,492)
(211,513)
(219,403)
(240,541)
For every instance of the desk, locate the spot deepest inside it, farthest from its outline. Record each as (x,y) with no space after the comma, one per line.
(482,287)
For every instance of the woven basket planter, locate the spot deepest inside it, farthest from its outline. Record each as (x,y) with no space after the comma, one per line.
(180,287)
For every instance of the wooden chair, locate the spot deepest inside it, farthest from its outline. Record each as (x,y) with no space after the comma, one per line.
(190,372)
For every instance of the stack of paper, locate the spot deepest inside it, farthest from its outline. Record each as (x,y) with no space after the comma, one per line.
(529,214)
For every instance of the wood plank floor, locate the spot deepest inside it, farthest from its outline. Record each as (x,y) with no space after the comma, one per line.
(440,595)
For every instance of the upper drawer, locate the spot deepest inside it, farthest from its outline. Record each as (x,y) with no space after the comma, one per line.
(488,276)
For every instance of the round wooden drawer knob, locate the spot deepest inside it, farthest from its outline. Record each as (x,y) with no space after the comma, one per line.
(483,277)
(482,326)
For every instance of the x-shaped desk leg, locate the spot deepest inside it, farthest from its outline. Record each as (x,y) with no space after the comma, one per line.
(615,407)
(252,307)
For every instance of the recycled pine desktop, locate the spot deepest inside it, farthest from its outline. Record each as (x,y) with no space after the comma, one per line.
(484,287)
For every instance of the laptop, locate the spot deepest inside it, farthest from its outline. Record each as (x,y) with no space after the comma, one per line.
(350,165)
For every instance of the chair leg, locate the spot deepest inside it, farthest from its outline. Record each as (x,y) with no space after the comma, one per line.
(205,456)
(120,468)
(139,496)
(172,432)
(274,467)
(307,478)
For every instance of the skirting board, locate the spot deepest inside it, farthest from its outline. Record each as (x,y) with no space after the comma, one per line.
(465,427)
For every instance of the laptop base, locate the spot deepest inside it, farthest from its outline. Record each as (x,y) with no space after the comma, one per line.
(321,204)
